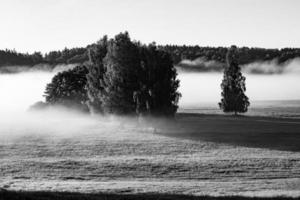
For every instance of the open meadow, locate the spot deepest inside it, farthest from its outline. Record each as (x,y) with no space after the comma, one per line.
(195,154)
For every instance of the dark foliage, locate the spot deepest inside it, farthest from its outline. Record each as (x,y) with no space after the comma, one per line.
(67,56)
(68,88)
(246,55)
(22,195)
(95,76)
(157,94)
(233,85)
(122,67)
(126,77)
(12,58)
(177,52)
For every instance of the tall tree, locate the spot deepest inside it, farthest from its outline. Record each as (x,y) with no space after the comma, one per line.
(158,83)
(95,82)
(122,67)
(233,85)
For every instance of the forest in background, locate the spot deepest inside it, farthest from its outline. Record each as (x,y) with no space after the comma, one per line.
(183,56)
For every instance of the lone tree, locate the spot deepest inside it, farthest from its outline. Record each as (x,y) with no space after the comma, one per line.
(68,88)
(233,85)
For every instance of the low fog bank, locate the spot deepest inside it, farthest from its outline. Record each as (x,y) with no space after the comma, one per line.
(264,67)
(272,67)
(19,91)
(265,81)
(205,88)
(58,123)
(36,68)
(199,65)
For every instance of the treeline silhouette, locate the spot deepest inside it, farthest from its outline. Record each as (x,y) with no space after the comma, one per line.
(246,55)
(11,58)
(178,53)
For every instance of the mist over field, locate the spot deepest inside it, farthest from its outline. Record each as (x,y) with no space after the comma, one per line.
(21,90)
(264,81)
(67,150)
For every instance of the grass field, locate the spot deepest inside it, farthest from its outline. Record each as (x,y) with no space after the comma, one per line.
(195,154)
(11,195)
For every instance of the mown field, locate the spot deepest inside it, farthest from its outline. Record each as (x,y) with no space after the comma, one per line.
(195,154)
(23,195)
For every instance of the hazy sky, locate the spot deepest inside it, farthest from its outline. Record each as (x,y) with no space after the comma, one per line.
(43,25)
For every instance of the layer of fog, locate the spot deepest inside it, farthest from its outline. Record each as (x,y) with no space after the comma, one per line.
(202,88)
(272,67)
(260,67)
(23,87)
(19,91)
(36,68)
(199,65)
(265,81)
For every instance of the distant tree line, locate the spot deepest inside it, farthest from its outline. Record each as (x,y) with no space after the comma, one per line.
(11,58)
(177,52)
(246,55)
(66,56)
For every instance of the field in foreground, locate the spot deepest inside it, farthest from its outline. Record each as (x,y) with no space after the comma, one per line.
(195,155)
(11,195)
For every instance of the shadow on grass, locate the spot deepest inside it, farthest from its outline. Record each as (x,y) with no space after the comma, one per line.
(262,132)
(18,195)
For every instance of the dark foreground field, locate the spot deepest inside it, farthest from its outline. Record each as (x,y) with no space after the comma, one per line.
(11,195)
(199,155)
(263,132)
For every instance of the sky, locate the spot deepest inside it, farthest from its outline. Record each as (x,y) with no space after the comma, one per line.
(45,25)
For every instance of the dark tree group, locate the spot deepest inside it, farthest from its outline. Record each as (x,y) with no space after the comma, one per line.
(95,76)
(233,85)
(127,77)
(68,88)
(121,77)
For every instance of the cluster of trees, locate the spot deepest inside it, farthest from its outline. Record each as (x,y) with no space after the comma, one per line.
(121,77)
(125,77)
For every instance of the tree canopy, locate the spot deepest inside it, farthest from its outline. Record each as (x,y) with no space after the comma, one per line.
(233,85)
(128,77)
(68,88)
(121,77)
